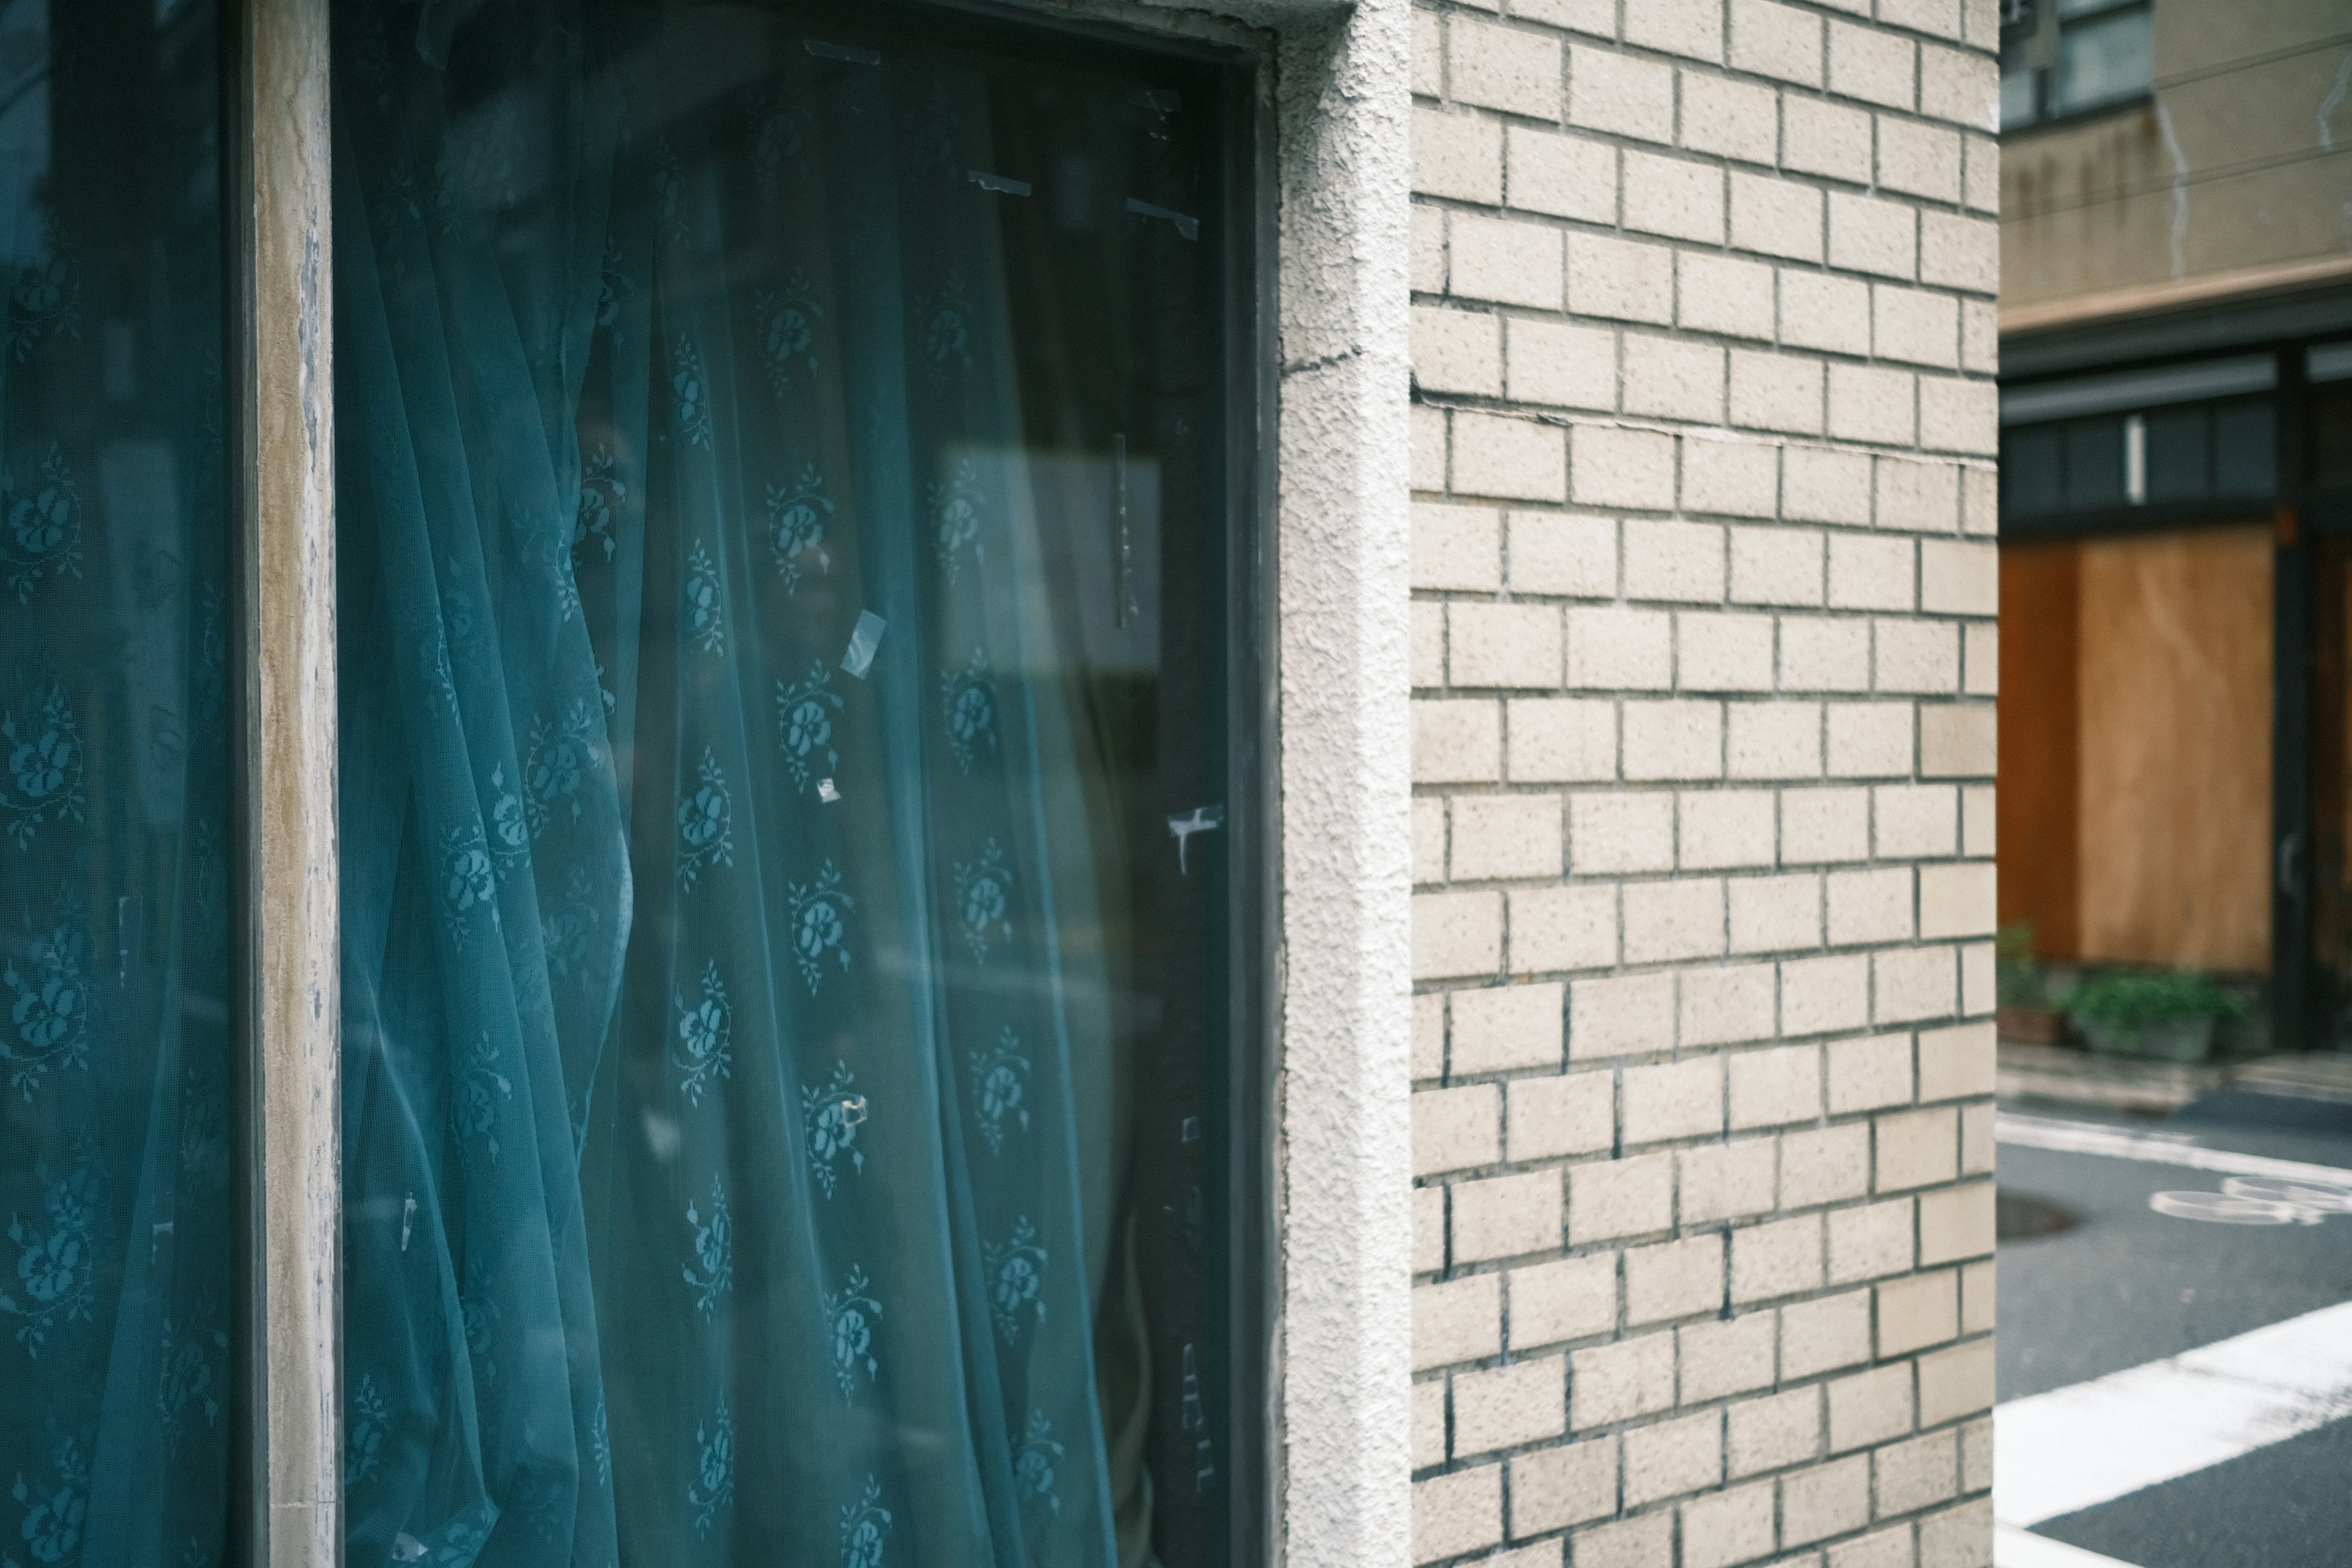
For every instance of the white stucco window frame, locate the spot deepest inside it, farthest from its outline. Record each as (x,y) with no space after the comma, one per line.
(1334,106)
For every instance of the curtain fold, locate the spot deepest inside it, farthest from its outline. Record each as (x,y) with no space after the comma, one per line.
(730,1075)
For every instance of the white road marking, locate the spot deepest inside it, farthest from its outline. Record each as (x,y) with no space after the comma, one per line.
(2075,1447)
(2156,1149)
(2015,1548)
(2257,1199)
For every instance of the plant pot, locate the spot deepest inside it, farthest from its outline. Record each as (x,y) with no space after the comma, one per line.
(2189,1040)
(2029,1024)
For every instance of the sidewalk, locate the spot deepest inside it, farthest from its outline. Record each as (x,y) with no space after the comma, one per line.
(2158,1088)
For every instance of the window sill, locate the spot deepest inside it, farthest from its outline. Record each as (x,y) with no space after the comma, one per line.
(2074,118)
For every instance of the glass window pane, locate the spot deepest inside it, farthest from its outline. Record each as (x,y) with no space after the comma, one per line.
(2017,95)
(2178,453)
(2094,463)
(2029,470)
(115,1223)
(2102,61)
(2245,449)
(2331,434)
(784,826)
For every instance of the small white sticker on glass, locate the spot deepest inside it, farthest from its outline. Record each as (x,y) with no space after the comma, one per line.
(863,638)
(825,791)
(1204,819)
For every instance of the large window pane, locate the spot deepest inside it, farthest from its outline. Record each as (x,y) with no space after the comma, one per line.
(2246,448)
(2017,88)
(115,1224)
(2094,463)
(2102,61)
(785,854)
(2178,441)
(2029,470)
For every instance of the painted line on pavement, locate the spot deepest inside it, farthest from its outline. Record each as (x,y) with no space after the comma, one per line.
(2075,1447)
(2156,1149)
(2015,1548)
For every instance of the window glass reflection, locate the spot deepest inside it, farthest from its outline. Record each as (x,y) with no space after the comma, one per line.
(2103,59)
(115,1239)
(784,832)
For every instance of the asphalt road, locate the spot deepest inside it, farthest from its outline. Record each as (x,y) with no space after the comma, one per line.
(2125,1285)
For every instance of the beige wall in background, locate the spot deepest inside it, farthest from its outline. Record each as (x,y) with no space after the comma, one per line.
(2241,167)
(1703,664)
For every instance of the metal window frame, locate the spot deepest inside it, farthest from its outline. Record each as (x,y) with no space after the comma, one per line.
(286,1394)
(1254,765)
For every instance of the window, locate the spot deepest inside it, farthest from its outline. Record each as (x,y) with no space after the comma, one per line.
(2066,57)
(2223,452)
(786,833)
(2328,367)
(2199,432)
(117,1288)
(794,620)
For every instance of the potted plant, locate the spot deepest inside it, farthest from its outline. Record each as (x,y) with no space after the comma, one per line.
(2168,1015)
(2022,1008)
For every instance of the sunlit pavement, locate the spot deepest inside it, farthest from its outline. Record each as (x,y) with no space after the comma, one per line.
(2176,1364)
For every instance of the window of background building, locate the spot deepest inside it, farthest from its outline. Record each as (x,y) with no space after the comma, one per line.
(2067,57)
(2199,432)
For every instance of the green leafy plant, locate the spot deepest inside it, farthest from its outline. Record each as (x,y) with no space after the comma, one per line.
(2134,999)
(2017,976)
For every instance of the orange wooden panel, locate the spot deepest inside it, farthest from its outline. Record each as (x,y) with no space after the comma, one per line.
(2034,829)
(2175,748)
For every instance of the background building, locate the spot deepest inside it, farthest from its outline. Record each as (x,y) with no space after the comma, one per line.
(2176,338)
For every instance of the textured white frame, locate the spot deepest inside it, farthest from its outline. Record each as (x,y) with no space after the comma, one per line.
(1343,1341)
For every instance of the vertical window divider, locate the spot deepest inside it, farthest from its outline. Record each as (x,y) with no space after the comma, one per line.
(286,1508)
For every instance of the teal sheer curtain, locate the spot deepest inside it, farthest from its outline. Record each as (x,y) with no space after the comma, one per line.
(730,1091)
(115,1217)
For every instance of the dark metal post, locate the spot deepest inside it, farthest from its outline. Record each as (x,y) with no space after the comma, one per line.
(2292,861)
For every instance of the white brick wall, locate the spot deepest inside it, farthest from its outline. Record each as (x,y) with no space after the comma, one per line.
(1704,647)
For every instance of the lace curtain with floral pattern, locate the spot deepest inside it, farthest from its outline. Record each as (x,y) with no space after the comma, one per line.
(115,1241)
(727,1106)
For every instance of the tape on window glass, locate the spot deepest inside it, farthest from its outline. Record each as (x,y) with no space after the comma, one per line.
(1204,819)
(863,638)
(1186,225)
(847,54)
